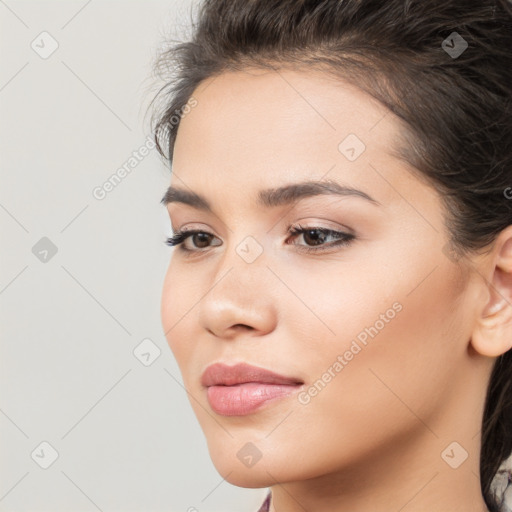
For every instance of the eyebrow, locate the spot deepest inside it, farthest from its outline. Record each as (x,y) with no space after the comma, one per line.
(271,197)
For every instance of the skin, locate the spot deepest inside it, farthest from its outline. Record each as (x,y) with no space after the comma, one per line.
(373,438)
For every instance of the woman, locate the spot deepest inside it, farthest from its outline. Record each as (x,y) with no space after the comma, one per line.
(339,299)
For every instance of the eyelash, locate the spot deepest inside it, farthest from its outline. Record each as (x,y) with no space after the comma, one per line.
(344,239)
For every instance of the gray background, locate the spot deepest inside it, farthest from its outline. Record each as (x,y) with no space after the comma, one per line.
(122,427)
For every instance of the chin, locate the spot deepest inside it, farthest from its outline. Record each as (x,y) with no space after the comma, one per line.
(249,479)
(230,463)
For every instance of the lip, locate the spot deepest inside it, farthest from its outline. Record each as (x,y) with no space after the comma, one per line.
(224,375)
(242,389)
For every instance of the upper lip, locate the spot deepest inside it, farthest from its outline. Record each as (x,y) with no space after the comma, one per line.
(222,374)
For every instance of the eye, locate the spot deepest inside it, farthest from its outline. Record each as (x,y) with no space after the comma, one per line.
(317,236)
(314,235)
(197,235)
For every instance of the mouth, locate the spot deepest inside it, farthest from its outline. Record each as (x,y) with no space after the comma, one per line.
(243,389)
(221,374)
(246,398)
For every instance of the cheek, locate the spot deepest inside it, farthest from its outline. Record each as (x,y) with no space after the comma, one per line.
(404,325)
(394,382)
(176,312)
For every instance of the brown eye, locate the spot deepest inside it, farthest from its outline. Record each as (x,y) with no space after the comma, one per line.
(201,239)
(316,236)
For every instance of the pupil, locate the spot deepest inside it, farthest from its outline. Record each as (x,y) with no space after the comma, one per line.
(316,239)
(205,237)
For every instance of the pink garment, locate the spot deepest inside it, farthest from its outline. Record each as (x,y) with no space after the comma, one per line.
(266,504)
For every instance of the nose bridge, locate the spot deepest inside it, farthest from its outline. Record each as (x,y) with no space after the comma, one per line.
(249,249)
(245,260)
(246,242)
(240,291)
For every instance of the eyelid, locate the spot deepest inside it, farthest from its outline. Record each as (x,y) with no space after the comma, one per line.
(314,221)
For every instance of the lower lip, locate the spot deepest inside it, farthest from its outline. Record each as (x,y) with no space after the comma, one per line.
(246,398)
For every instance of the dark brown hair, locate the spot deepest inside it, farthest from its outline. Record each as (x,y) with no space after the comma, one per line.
(442,66)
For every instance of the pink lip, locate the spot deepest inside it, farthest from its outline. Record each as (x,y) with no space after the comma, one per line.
(222,374)
(242,389)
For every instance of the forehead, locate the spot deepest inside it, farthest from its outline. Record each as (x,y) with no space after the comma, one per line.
(257,129)
(284,110)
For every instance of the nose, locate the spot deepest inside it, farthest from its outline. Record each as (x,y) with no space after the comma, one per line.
(239,299)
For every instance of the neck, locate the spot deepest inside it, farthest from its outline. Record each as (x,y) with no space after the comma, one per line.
(406,480)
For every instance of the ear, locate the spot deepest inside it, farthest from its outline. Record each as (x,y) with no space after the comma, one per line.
(492,333)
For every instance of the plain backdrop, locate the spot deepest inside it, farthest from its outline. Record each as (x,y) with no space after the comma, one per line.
(93,415)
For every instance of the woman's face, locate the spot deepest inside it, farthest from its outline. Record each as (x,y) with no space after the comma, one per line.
(376,328)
